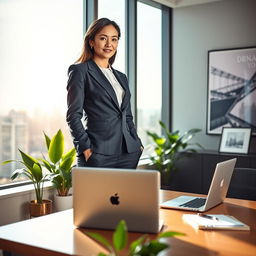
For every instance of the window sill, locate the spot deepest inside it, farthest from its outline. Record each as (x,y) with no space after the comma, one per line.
(144,163)
(21,190)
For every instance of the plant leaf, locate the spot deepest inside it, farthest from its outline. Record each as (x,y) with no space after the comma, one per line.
(47,165)
(100,239)
(56,147)
(158,151)
(37,172)
(153,135)
(28,160)
(70,153)
(8,161)
(170,234)
(136,245)
(155,247)
(120,236)
(57,180)
(17,173)
(102,254)
(68,160)
(160,141)
(47,140)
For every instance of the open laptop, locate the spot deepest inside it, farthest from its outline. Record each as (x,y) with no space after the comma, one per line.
(216,195)
(104,196)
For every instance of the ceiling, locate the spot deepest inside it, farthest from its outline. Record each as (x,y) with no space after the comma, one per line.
(182,3)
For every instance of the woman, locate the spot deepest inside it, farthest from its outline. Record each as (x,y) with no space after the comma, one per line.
(101,94)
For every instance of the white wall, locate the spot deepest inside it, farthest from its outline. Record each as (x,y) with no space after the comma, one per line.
(14,203)
(197,29)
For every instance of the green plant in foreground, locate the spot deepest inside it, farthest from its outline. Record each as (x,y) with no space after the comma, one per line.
(143,246)
(33,171)
(167,146)
(60,164)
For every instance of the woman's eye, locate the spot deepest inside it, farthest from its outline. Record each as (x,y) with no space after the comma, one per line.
(103,38)
(114,39)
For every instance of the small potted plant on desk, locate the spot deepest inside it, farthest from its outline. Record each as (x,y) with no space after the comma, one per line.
(143,246)
(167,148)
(34,172)
(60,165)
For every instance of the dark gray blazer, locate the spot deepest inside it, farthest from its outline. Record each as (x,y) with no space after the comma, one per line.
(90,95)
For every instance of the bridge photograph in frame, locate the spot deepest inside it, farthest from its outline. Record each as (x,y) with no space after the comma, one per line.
(231,89)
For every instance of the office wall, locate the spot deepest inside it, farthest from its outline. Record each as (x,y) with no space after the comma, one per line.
(197,29)
(14,203)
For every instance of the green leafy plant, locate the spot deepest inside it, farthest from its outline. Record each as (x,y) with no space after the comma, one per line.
(59,164)
(143,246)
(33,171)
(166,148)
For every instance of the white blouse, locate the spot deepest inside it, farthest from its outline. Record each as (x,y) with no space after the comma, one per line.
(115,84)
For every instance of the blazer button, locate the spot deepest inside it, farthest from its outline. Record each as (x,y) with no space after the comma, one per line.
(119,116)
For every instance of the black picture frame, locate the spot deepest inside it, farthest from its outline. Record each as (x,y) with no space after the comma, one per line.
(235,140)
(231,97)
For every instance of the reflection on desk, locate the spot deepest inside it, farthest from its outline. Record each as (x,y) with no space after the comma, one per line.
(55,234)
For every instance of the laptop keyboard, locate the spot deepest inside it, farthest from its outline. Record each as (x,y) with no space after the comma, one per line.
(195,203)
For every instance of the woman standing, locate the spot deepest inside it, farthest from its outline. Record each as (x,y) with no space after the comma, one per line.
(100,94)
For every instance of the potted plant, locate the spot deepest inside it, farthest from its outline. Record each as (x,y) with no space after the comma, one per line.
(143,246)
(167,148)
(34,172)
(59,165)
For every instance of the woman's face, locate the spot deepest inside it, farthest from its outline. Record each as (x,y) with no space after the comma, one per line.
(105,42)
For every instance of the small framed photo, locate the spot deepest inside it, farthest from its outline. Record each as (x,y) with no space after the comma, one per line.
(235,140)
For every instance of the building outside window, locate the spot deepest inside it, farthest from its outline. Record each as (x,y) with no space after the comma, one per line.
(149,71)
(39,40)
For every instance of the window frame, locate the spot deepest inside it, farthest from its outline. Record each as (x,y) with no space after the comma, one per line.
(131,59)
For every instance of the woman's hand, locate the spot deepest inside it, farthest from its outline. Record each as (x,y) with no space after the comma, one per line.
(87,154)
(141,148)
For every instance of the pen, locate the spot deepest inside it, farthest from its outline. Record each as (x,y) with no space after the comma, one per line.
(207,216)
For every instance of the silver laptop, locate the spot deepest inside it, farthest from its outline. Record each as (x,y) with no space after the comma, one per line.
(216,195)
(102,197)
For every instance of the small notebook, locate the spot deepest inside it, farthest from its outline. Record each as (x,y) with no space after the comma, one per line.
(214,221)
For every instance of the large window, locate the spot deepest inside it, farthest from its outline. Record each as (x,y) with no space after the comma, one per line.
(115,10)
(39,40)
(149,70)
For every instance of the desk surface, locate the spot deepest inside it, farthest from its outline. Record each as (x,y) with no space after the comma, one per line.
(55,234)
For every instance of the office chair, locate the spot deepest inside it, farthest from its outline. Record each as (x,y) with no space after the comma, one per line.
(243,184)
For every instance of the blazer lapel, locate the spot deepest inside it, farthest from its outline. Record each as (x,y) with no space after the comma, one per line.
(102,80)
(124,84)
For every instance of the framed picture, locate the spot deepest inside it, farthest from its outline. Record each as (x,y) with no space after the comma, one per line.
(231,89)
(235,140)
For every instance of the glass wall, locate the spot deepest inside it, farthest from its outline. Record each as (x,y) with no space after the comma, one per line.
(149,71)
(115,10)
(39,40)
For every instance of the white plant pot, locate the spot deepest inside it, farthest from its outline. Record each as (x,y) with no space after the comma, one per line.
(62,203)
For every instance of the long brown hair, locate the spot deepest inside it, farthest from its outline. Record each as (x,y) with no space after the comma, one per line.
(94,28)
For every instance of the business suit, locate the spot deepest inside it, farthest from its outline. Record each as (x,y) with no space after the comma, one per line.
(109,129)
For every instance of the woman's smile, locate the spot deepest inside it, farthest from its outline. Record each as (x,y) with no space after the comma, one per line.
(107,50)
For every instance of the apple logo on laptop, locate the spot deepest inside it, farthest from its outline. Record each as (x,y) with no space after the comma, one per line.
(114,199)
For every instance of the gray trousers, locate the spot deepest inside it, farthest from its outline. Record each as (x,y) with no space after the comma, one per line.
(123,160)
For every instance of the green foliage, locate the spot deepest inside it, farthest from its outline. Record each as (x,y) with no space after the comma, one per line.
(167,147)
(33,171)
(143,246)
(59,164)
